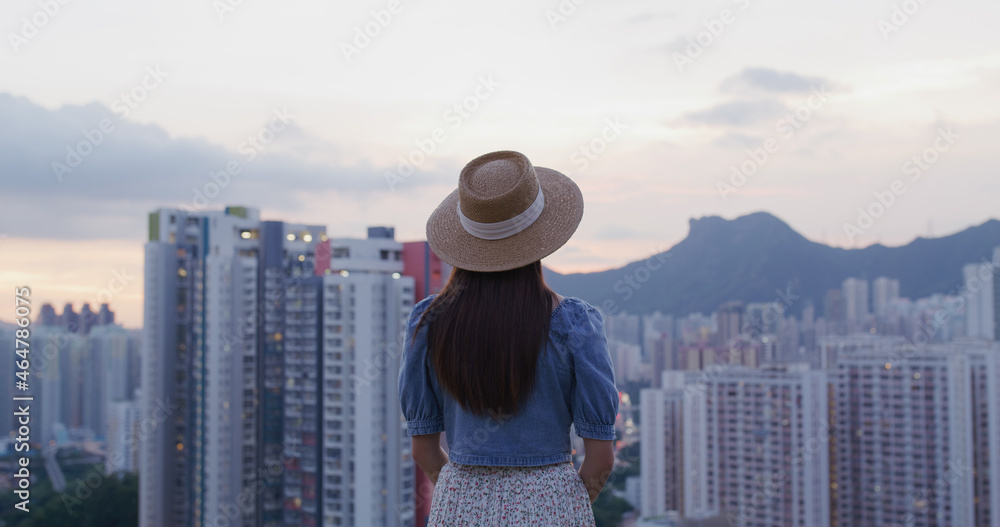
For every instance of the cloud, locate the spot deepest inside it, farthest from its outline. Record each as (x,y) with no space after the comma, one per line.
(736,113)
(755,80)
(132,168)
(737,140)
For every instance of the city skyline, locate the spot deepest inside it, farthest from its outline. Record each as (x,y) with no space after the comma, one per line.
(288,331)
(790,240)
(124,284)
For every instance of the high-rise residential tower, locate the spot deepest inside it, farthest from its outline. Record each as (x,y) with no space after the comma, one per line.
(203,365)
(916,435)
(753,446)
(884,290)
(269,372)
(766,439)
(855,294)
(663,467)
(982,298)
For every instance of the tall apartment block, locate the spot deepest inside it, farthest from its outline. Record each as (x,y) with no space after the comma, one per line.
(766,438)
(253,331)
(984,363)
(754,446)
(661,483)
(917,438)
(291,257)
(884,290)
(123,437)
(200,367)
(730,320)
(982,298)
(658,344)
(367,469)
(855,294)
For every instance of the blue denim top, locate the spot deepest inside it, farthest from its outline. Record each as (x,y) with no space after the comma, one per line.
(574,384)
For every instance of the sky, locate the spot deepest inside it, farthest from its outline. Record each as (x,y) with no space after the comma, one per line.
(363,113)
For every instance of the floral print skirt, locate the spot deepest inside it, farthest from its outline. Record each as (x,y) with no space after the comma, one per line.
(473,495)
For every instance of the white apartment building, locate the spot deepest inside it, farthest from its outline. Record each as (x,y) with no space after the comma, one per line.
(661,487)
(368,474)
(123,437)
(203,339)
(982,298)
(884,291)
(753,446)
(916,435)
(855,294)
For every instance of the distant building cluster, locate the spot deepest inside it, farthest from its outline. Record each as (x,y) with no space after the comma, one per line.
(888,433)
(757,333)
(74,322)
(83,368)
(885,411)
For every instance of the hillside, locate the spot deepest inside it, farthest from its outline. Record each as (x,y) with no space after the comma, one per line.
(750,257)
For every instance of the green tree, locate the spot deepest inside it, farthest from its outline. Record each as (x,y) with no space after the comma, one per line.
(113,503)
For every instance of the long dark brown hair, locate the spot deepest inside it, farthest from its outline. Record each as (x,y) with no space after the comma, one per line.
(485,332)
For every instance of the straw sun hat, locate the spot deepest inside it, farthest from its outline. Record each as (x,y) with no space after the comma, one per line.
(505,214)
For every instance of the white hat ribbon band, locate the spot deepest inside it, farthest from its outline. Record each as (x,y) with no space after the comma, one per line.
(506,228)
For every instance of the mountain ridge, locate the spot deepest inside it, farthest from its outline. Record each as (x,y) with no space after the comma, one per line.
(760,258)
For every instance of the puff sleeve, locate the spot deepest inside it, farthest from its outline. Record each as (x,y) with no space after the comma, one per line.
(419,394)
(594,396)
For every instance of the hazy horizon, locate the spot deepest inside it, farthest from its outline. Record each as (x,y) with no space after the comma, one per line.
(133,320)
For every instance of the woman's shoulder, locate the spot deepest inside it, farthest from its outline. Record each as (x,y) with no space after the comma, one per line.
(417,312)
(574,304)
(572,312)
(421,306)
